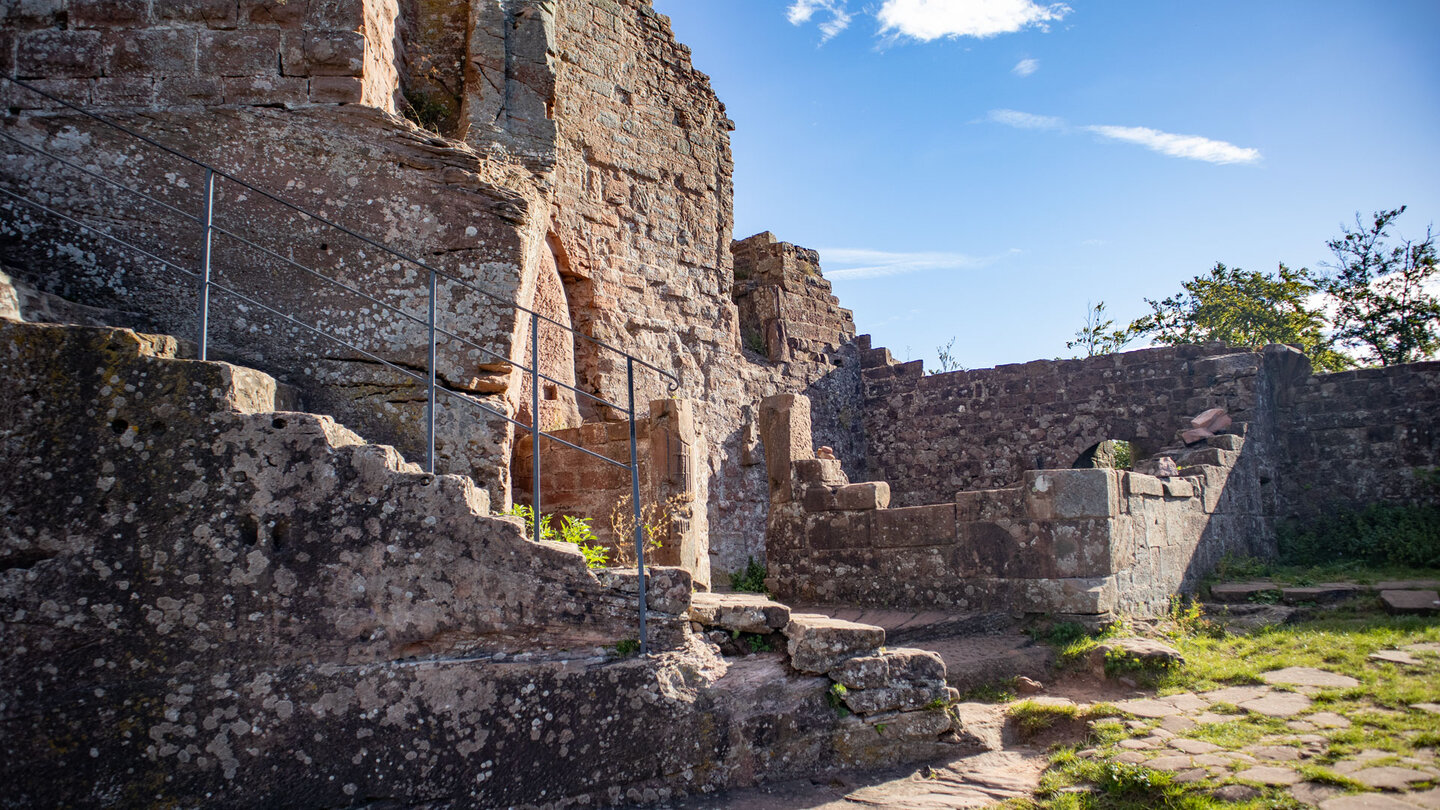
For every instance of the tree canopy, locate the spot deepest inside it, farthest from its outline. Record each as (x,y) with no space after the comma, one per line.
(1382,307)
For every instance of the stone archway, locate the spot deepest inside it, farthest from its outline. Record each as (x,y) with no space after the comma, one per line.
(558,408)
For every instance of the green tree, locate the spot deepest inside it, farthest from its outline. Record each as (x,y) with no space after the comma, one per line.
(1244,308)
(1382,308)
(1098,335)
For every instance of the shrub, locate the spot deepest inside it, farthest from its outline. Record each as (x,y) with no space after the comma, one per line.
(1379,534)
(750,579)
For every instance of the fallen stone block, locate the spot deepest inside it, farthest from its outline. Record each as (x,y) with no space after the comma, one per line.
(1142,653)
(1213,420)
(1242,591)
(739,612)
(1411,603)
(1324,593)
(900,664)
(818,643)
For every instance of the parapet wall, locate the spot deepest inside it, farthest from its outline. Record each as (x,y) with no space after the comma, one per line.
(1086,542)
(931,436)
(196,53)
(1361,436)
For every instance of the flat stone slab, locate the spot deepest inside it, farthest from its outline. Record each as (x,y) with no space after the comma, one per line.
(1270,775)
(1325,593)
(1235,793)
(1280,704)
(1174,763)
(1275,753)
(1433,708)
(1424,647)
(1313,793)
(818,643)
(1241,591)
(1408,585)
(739,612)
(1390,777)
(1395,657)
(1235,695)
(1328,720)
(1411,603)
(1162,707)
(1309,676)
(1177,724)
(1365,801)
(1193,746)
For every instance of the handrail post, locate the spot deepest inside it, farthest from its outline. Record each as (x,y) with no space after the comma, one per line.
(535,422)
(204,325)
(430,393)
(635,502)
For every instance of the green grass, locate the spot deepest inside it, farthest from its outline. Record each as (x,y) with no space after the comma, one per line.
(1378,708)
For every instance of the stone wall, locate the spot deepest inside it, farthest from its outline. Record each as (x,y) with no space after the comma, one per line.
(787,311)
(1361,436)
(376,174)
(931,436)
(1085,542)
(195,53)
(574,483)
(205,601)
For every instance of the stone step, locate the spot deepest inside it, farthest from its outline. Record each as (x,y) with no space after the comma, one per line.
(907,626)
(900,679)
(739,612)
(819,643)
(1242,591)
(1411,603)
(974,661)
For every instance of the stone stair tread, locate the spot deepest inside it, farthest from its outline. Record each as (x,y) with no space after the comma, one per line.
(742,612)
(818,643)
(1411,602)
(973,661)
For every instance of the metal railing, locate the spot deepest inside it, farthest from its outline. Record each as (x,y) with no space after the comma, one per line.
(209,224)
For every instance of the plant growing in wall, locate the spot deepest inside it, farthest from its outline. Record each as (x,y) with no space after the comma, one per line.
(573,530)
(657,519)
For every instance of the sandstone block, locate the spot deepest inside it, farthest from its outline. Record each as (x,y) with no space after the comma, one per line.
(346,90)
(741,612)
(1193,435)
(276,13)
(335,53)
(1309,676)
(1179,488)
(1147,653)
(336,15)
(785,434)
(820,472)
(1138,484)
(1071,493)
(266,90)
(1419,603)
(55,54)
(868,495)
(1325,593)
(818,643)
(1213,420)
(17,14)
(191,90)
(214,13)
(123,91)
(240,53)
(915,526)
(157,52)
(109,13)
(898,664)
(1242,591)
(900,697)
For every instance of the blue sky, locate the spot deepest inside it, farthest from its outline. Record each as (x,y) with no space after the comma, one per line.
(981,169)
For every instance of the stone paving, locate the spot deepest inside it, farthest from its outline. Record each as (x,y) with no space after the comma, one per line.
(1283,760)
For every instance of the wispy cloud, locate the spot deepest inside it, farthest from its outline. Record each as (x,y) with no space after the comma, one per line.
(928,20)
(1190,147)
(851,264)
(1024,120)
(1193,147)
(801,12)
(1025,67)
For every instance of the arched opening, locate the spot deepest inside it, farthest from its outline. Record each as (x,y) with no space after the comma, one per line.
(556,358)
(1113,454)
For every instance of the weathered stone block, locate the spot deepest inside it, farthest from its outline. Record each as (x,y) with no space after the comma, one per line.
(55,54)
(1072,493)
(739,612)
(266,90)
(839,530)
(1179,488)
(157,52)
(1137,484)
(868,495)
(335,53)
(899,697)
(123,91)
(16,14)
(336,15)
(335,90)
(109,13)
(785,432)
(191,90)
(276,13)
(214,13)
(915,526)
(1420,603)
(818,643)
(820,499)
(820,471)
(895,664)
(240,53)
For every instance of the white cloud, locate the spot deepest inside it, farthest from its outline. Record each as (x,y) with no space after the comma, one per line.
(928,20)
(1024,120)
(851,264)
(1025,67)
(801,12)
(1192,147)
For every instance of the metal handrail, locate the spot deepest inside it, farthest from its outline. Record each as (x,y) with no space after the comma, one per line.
(208,221)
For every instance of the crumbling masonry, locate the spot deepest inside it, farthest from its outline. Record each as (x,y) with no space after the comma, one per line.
(212,592)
